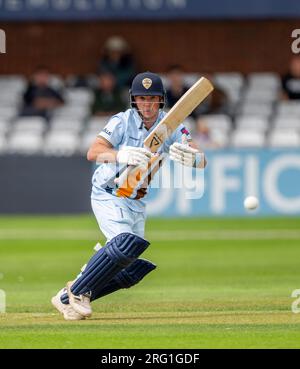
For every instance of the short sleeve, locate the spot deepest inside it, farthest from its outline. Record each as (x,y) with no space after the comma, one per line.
(113,131)
(176,137)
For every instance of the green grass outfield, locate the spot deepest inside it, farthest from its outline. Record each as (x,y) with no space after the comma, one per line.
(220,283)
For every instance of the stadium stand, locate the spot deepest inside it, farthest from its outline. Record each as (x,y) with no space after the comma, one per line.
(259,118)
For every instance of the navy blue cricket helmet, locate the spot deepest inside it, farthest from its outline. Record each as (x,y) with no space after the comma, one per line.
(147,84)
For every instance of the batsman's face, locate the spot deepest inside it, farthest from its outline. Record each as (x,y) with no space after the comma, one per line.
(148,106)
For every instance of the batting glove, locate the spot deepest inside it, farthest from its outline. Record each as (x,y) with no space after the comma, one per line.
(134,156)
(185,155)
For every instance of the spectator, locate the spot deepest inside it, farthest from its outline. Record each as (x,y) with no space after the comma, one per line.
(204,136)
(177,87)
(291,81)
(108,99)
(40,99)
(118,61)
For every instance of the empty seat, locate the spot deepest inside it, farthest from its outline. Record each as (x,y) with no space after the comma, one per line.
(229,80)
(283,138)
(231,83)
(260,95)
(252,122)
(243,138)
(286,122)
(25,143)
(13,83)
(86,141)
(97,123)
(79,96)
(61,144)
(10,98)
(217,121)
(262,109)
(72,111)
(4,126)
(291,108)
(8,112)
(264,80)
(66,124)
(32,124)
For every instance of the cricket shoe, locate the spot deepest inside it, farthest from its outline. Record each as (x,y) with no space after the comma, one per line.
(81,304)
(65,309)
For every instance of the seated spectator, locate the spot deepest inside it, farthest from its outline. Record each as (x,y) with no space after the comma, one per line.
(176,87)
(108,99)
(40,99)
(291,81)
(203,135)
(118,61)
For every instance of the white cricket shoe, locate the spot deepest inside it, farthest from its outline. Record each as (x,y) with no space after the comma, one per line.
(81,304)
(65,309)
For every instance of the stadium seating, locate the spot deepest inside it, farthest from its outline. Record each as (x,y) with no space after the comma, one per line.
(61,143)
(79,96)
(287,122)
(258,117)
(284,138)
(218,121)
(231,83)
(72,125)
(263,81)
(26,143)
(252,122)
(247,139)
(30,124)
(72,111)
(256,108)
(8,112)
(4,126)
(86,141)
(96,124)
(288,108)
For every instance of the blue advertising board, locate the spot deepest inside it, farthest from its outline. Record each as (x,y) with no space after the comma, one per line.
(231,175)
(146,9)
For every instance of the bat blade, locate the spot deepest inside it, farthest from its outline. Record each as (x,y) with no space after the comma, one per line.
(177,114)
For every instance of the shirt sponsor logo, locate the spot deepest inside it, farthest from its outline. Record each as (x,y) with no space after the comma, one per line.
(184,131)
(105,130)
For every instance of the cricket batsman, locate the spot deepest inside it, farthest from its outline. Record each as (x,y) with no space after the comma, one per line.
(117,264)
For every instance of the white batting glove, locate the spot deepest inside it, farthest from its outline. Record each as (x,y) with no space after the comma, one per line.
(185,154)
(134,156)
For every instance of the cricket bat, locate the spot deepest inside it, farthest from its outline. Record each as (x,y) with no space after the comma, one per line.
(132,175)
